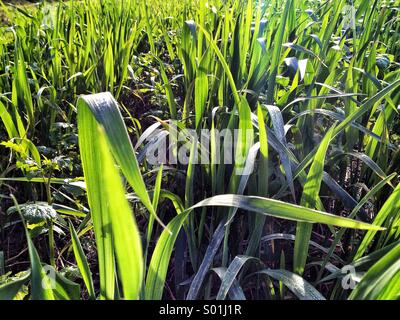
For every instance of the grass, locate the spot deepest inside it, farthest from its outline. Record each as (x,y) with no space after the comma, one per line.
(88,91)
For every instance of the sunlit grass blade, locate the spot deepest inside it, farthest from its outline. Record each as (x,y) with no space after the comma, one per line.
(9,290)
(112,217)
(105,110)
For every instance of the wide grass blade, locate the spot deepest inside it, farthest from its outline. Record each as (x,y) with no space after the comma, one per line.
(40,283)
(105,110)
(112,217)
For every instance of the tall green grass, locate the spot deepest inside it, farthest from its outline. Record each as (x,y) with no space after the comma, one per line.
(318,97)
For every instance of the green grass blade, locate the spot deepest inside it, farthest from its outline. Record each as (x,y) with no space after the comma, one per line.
(41,289)
(309,199)
(82,262)
(105,110)
(381,280)
(112,218)
(89,145)
(162,253)
(276,53)
(390,207)
(124,229)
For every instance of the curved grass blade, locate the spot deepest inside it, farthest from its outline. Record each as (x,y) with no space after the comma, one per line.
(159,262)
(369,162)
(112,218)
(353,213)
(339,117)
(235,291)
(231,274)
(279,129)
(365,107)
(291,237)
(363,264)
(104,108)
(41,288)
(8,122)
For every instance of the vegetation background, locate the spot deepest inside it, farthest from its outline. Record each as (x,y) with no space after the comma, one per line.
(88,87)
